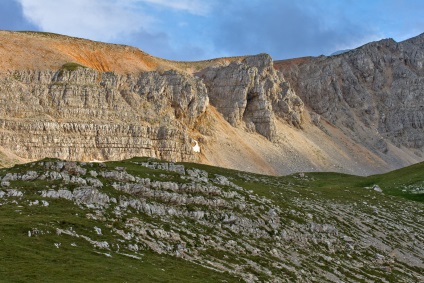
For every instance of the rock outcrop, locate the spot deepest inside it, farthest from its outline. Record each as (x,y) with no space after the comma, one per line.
(251,93)
(82,111)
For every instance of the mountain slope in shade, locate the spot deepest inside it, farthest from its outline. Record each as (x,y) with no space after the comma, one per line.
(374,94)
(77,99)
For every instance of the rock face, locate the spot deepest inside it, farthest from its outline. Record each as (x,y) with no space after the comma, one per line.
(374,93)
(85,114)
(78,113)
(251,93)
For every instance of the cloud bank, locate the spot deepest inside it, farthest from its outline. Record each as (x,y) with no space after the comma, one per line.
(198,29)
(289,28)
(196,7)
(95,19)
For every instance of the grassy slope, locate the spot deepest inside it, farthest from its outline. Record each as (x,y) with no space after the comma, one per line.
(335,184)
(392,183)
(25,259)
(36,259)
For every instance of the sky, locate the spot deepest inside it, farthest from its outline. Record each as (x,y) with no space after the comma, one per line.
(205,29)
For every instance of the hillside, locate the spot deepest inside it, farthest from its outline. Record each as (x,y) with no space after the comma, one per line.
(145,220)
(77,99)
(40,51)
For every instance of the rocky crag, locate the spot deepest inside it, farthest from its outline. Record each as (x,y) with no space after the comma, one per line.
(84,114)
(252,94)
(358,112)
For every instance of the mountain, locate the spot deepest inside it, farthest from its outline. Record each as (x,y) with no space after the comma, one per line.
(146,220)
(359,112)
(166,217)
(374,94)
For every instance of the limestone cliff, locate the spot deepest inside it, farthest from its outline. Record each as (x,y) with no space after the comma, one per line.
(97,101)
(85,114)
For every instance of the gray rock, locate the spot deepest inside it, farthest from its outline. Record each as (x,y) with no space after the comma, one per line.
(36,202)
(66,194)
(72,168)
(198,214)
(90,196)
(377,189)
(78,181)
(84,195)
(93,173)
(57,176)
(221,180)
(14,193)
(198,175)
(11,177)
(98,230)
(29,176)
(5,184)
(94,182)
(118,176)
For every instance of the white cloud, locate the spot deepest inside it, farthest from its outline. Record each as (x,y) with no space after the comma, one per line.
(197,7)
(94,19)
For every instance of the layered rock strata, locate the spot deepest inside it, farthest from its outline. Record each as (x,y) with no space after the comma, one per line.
(85,114)
(366,104)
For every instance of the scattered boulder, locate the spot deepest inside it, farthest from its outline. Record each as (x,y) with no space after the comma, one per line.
(377,189)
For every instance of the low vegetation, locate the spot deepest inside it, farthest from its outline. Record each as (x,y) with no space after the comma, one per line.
(145,220)
(71,66)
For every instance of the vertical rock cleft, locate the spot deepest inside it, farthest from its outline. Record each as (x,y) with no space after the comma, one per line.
(250,93)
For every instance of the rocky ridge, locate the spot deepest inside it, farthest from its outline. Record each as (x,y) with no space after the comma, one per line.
(373,93)
(81,113)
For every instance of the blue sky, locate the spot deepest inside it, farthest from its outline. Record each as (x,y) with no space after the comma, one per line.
(204,29)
